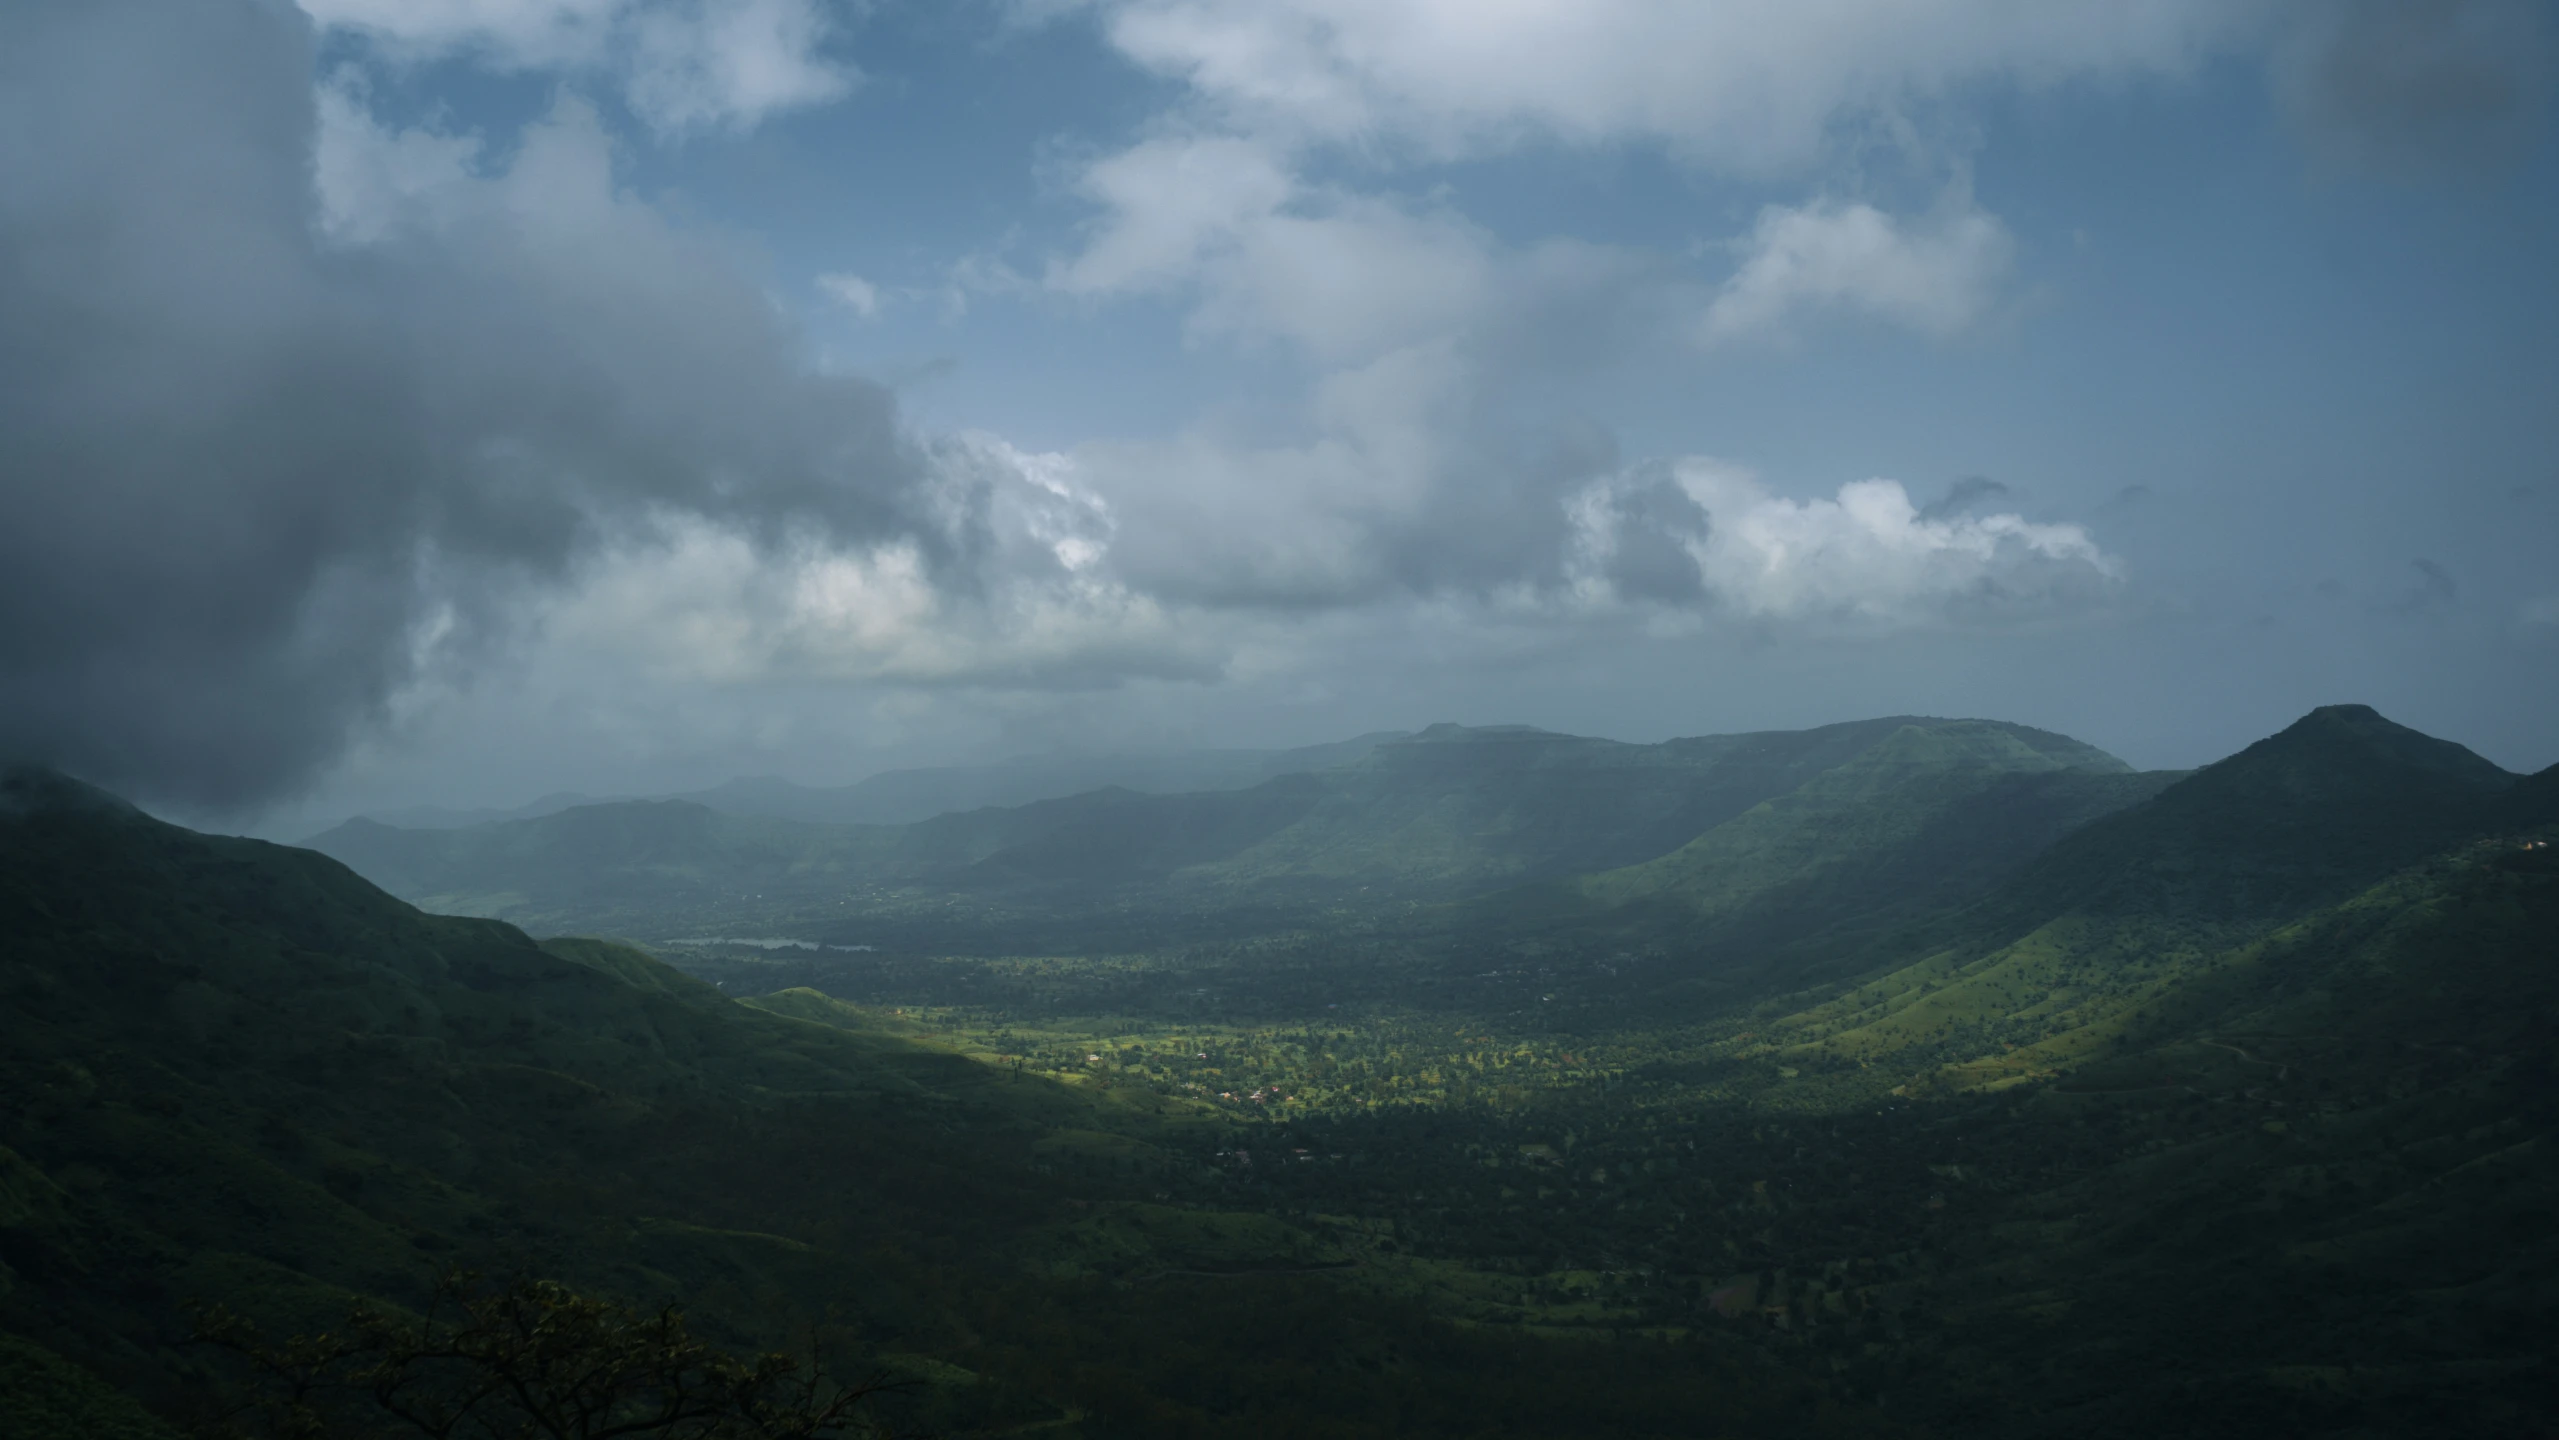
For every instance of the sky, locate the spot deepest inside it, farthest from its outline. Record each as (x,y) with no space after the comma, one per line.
(452,401)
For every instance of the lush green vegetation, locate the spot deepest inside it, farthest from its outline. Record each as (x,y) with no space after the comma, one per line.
(1447,815)
(2043,1099)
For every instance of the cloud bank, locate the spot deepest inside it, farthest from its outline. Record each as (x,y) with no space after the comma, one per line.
(271,457)
(302,416)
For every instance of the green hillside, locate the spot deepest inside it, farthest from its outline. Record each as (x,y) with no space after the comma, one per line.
(2230,1113)
(236,1073)
(1432,817)
(903,797)
(2071,958)
(1950,1080)
(1930,818)
(2317,1182)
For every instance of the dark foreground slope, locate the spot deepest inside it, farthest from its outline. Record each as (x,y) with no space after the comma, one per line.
(233,1072)
(2242,1105)
(2234,1115)
(2316,1192)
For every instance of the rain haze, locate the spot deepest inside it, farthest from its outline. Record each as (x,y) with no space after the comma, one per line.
(451,401)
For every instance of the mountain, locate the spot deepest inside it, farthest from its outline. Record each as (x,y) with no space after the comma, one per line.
(2337,799)
(1930,817)
(233,1072)
(236,1071)
(2229,1111)
(646,866)
(2243,1142)
(1439,815)
(439,817)
(2072,958)
(902,797)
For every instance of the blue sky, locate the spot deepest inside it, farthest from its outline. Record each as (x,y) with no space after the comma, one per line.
(1056,374)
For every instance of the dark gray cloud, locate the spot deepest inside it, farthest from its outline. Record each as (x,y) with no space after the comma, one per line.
(2418,87)
(1651,525)
(1962,496)
(250,479)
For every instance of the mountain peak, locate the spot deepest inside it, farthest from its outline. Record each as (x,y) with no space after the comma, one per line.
(28,789)
(2337,743)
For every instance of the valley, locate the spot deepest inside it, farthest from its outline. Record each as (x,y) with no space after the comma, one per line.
(1908,1077)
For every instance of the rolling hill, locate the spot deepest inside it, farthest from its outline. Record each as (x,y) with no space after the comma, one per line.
(2296,1017)
(1928,818)
(2070,958)
(902,797)
(234,1072)
(1441,815)
(2218,1103)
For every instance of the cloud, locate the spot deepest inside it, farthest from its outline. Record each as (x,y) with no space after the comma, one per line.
(1221,202)
(1758,86)
(1412,479)
(852,292)
(709,608)
(1936,275)
(271,459)
(2541,610)
(1410,492)
(304,417)
(2411,89)
(682,64)
(1866,555)
(1262,253)
(1962,496)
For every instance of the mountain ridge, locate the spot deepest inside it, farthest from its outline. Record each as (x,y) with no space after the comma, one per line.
(1449,811)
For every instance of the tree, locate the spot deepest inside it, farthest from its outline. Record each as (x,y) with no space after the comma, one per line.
(533,1360)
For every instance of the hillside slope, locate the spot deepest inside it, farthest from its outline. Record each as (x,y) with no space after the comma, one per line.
(2066,960)
(1932,817)
(2325,1166)
(1435,816)
(234,1072)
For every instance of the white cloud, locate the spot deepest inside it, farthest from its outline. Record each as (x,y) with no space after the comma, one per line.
(1261,253)
(1936,274)
(1752,85)
(1200,558)
(682,64)
(1169,205)
(1222,205)
(703,604)
(1866,554)
(2541,610)
(369,180)
(852,292)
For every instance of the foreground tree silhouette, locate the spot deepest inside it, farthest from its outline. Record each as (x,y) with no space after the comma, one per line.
(533,1360)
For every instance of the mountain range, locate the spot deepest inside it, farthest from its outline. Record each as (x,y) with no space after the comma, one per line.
(2033,1096)
(899,797)
(1765,831)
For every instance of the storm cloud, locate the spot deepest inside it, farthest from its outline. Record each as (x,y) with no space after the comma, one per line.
(257,477)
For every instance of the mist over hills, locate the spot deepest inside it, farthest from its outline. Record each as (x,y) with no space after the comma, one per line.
(900,797)
(1429,818)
